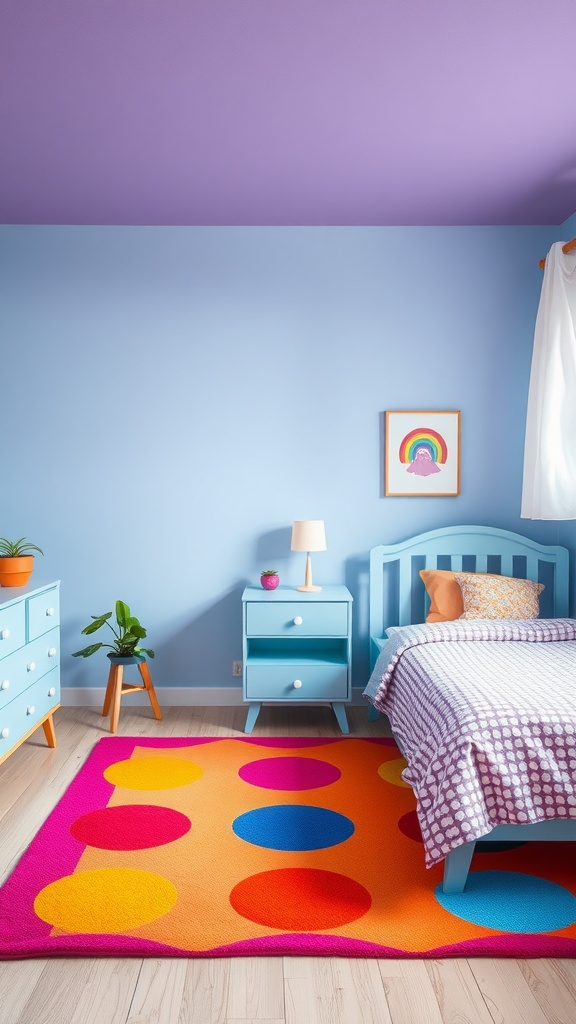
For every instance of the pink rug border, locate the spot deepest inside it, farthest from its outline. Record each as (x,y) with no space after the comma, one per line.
(35,869)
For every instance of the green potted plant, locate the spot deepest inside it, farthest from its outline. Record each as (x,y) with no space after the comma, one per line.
(125,648)
(16,561)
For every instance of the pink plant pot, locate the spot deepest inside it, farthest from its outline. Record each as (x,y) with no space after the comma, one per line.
(269,582)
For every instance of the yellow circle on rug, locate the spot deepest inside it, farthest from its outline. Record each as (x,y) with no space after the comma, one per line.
(391,771)
(108,900)
(153,773)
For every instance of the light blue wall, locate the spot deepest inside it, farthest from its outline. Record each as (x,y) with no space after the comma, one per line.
(174,397)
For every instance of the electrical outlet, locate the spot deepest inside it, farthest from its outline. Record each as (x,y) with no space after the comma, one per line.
(236,668)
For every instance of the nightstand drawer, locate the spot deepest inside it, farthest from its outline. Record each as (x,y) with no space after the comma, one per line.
(12,628)
(276,682)
(22,714)
(329,618)
(43,613)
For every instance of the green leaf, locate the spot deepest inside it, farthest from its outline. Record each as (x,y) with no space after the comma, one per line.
(93,626)
(144,650)
(87,651)
(122,614)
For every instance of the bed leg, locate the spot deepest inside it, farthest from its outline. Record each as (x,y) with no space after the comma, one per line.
(373,714)
(456,866)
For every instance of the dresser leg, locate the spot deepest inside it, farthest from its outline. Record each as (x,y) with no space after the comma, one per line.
(253,712)
(340,712)
(49,731)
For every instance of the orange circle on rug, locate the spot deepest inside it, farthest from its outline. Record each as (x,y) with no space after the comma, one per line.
(391,771)
(109,900)
(153,773)
(300,899)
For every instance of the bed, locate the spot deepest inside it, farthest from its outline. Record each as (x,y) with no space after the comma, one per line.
(442,684)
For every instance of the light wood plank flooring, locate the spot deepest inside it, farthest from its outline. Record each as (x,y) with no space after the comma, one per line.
(276,990)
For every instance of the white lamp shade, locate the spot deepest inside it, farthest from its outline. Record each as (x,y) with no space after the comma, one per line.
(308,535)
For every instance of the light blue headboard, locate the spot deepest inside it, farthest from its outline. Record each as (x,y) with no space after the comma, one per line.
(398,596)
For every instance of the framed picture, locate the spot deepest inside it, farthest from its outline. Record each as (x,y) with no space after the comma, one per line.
(422,454)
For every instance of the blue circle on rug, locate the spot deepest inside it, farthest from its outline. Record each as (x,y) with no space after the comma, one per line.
(509,901)
(293,827)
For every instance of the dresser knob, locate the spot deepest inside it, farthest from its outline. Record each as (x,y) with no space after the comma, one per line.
(31,666)
(51,652)
(5,734)
(30,709)
(50,612)
(52,692)
(4,634)
(5,684)
(298,620)
(297,684)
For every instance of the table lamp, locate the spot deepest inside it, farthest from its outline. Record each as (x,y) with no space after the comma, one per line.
(308,535)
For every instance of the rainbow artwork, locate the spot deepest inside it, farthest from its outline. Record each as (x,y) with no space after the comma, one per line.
(423,450)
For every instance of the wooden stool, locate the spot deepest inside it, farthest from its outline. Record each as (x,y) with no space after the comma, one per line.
(116,688)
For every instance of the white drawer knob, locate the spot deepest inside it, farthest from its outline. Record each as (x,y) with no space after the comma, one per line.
(4,634)
(51,652)
(5,734)
(50,611)
(297,684)
(31,666)
(30,710)
(51,692)
(5,684)
(298,620)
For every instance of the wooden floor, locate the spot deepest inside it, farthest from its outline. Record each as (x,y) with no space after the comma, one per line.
(275,990)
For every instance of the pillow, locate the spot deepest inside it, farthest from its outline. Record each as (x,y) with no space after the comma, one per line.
(445,595)
(498,597)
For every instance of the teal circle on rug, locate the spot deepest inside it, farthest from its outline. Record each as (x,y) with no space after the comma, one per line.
(293,827)
(510,901)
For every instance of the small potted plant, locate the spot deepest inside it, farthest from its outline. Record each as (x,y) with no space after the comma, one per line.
(16,561)
(125,648)
(270,579)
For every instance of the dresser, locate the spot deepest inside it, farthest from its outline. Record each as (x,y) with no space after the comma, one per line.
(297,647)
(29,663)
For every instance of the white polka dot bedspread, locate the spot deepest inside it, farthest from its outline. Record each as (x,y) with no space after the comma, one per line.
(485,713)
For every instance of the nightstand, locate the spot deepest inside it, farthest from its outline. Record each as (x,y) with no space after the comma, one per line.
(297,647)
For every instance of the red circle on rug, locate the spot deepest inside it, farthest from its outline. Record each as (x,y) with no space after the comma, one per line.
(130,827)
(300,899)
(410,826)
(289,773)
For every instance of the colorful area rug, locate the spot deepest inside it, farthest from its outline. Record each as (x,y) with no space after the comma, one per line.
(248,847)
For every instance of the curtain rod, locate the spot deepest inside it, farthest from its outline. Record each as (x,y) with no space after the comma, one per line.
(568,247)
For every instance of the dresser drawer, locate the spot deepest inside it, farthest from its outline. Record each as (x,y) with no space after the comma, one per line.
(12,628)
(22,668)
(43,612)
(276,682)
(25,711)
(295,619)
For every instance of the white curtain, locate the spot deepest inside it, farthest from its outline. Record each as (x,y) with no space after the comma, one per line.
(549,487)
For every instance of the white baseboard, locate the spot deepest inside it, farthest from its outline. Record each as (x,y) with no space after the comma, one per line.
(173,696)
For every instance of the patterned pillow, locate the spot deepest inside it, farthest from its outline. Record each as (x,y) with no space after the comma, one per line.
(498,597)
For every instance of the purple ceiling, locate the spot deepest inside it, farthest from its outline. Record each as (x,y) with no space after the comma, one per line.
(287,111)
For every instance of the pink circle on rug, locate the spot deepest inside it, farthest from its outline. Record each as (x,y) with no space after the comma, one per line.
(410,826)
(130,827)
(289,773)
(300,899)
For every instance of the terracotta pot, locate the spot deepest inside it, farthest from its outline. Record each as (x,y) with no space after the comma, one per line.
(15,572)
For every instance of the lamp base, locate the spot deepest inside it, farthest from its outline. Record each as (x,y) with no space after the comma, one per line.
(309,590)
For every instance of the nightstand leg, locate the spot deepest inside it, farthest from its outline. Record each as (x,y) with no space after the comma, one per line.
(340,712)
(373,714)
(253,712)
